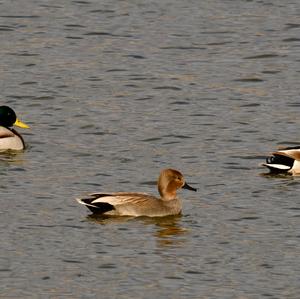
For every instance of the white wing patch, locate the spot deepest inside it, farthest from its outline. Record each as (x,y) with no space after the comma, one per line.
(124,198)
(278,166)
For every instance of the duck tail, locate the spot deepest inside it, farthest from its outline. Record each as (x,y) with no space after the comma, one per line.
(279,163)
(97,207)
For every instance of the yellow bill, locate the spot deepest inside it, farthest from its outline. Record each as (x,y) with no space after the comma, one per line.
(20,124)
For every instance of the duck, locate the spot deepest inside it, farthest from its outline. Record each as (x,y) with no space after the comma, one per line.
(141,204)
(10,139)
(285,160)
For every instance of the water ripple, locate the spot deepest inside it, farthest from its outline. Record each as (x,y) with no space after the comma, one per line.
(262,56)
(167,88)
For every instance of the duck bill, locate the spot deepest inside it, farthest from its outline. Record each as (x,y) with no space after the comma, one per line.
(188,187)
(20,124)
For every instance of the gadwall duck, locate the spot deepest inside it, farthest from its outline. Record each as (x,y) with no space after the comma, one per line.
(286,160)
(141,204)
(10,139)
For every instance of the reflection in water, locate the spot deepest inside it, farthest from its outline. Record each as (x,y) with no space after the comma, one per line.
(11,157)
(167,226)
(286,176)
(167,229)
(107,219)
(284,181)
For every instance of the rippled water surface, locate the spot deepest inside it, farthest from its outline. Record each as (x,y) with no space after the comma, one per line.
(114,91)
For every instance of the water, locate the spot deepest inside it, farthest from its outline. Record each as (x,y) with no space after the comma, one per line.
(115,91)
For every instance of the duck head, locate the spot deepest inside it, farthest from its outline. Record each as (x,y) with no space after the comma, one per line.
(8,118)
(169,181)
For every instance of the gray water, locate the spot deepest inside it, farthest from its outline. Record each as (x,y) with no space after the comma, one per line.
(114,91)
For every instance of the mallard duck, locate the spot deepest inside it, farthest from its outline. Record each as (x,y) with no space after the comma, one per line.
(10,139)
(141,204)
(286,160)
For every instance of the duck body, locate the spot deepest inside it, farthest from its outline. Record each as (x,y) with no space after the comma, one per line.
(10,139)
(131,204)
(141,204)
(286,160)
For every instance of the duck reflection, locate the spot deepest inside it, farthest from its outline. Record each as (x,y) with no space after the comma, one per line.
(9,157)
(167,230)
(285,176)
(107,219)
